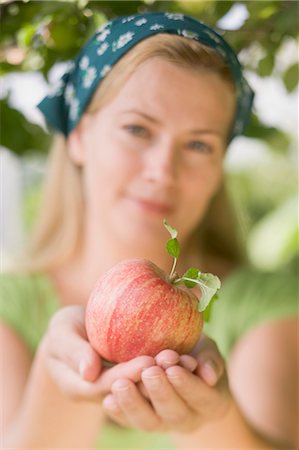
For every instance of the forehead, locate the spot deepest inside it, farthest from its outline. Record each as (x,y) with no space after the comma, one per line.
(163,88)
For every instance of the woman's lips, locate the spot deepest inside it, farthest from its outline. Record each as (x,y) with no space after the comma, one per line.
(152,205)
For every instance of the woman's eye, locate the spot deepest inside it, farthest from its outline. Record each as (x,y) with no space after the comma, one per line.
(136,130)
(199,146)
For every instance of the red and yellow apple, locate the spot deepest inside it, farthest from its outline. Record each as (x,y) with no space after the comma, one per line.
(135,309)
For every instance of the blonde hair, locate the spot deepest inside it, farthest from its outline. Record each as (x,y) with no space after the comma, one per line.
(56,235)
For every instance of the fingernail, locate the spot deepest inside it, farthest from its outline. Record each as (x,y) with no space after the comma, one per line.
(145,368)
(188,362)
(167,363)
(153,381)
(174,379)
(208,372)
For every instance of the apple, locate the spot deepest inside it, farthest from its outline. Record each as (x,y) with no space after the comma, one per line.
(137,309)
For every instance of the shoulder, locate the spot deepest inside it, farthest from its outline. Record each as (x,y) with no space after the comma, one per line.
(263,377)
(17,288)
(249,298)
(26,301)
(262,295)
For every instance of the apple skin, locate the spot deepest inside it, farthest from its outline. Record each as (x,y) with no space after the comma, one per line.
(134,310)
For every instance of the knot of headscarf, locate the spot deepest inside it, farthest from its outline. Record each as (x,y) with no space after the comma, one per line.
(69,97)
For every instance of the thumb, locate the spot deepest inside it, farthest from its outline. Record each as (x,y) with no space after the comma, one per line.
(211,365)
(67,342)
(90,365)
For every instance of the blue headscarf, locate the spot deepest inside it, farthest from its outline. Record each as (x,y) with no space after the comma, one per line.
(69,98)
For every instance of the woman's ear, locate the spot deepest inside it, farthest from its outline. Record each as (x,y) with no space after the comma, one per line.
(75,146)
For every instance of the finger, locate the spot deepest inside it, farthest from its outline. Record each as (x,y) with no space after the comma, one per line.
(210,371)
(135,408)
(167,358)
(113,410)
(168,405)
(76,353)
(198,396)
(131,370)
(71,383)
(211,365)
(142,389)
(66,341)
(188,362)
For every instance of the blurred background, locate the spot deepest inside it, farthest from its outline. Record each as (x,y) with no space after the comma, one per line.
(37,40)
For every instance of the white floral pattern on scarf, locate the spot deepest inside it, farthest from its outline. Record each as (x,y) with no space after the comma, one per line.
(128,19)
(189,34)
(89,77)
(122,40)
(103,35)
(102,49)
(105,70)
(156,26)
(140,22)
(174,16)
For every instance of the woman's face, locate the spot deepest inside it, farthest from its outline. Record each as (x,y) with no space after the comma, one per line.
(155,151)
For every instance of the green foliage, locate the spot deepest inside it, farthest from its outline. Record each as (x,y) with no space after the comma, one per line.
(260,187)
(37,34)
(277,140)
(12,122)
(290,77)
(274,241)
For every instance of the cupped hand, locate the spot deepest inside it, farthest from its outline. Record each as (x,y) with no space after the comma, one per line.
(75,366)
(178,397)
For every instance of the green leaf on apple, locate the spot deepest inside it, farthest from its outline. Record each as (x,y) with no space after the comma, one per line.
(208,311)
(173,247)
(209,284)
(190,276)
(173,232)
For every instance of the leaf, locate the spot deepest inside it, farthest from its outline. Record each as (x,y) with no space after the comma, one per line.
(290,77)
(265,66)
(193,274)
(25,35)
(173,247)
(209,285)
(277,139)
(29,138)
(173,232)
(208,311)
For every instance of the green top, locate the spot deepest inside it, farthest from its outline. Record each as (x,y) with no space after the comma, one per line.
(247,298)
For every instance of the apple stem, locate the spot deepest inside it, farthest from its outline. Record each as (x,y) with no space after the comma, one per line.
(173,268)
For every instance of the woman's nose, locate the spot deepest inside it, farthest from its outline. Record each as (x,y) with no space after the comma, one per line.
(161,165)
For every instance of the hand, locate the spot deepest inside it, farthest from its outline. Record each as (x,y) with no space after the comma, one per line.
(75,366)
(176,399)
(205,359)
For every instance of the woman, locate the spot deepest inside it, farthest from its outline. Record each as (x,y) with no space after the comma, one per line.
(144,117)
